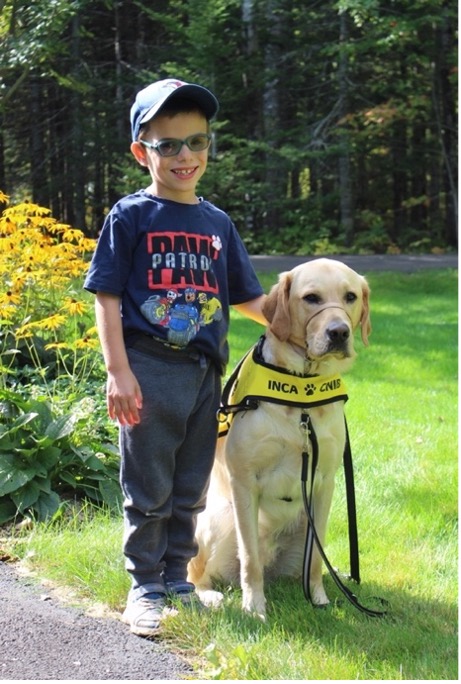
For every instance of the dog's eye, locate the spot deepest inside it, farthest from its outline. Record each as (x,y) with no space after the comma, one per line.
(350,297)
(312,299)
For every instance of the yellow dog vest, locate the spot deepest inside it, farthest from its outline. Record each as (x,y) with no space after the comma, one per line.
(255,380)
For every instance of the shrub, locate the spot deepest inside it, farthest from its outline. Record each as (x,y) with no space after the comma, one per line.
(48,356)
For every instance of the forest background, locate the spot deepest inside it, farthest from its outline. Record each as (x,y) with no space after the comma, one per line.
(336,132)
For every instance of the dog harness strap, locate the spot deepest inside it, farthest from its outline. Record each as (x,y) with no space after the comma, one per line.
(225,412)
(253,380)
(261,380)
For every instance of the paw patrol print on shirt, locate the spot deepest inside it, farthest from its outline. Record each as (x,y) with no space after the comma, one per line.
(186,291)
(182,260)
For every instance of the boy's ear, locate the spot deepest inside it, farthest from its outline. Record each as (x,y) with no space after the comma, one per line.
(139,153)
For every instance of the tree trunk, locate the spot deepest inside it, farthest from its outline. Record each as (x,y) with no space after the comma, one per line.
(418,213)
(77,172)
(38,156)
(399,178)
(271,115)
(445,109)
(345,181)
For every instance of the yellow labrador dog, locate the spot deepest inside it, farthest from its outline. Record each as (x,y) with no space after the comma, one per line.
(254,523)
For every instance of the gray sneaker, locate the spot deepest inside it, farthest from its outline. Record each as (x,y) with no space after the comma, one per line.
(145,615)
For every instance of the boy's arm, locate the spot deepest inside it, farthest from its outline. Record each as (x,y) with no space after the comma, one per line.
(253,309)
(124,396)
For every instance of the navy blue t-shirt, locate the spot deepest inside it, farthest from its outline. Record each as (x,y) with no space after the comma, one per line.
(177,268)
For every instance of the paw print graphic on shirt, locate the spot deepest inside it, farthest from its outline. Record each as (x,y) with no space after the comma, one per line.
(216,242)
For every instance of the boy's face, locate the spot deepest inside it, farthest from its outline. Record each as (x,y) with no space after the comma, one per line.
(175,177)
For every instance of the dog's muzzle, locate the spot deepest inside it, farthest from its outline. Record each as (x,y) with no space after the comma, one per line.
(337,332)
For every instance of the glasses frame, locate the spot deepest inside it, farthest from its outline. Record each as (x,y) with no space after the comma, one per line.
(157,144)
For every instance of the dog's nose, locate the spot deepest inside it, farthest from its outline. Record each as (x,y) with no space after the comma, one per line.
(338,332)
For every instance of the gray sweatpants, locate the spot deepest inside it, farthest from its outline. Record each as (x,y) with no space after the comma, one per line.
(166,463)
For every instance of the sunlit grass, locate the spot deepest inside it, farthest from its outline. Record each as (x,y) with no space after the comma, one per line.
(402,415)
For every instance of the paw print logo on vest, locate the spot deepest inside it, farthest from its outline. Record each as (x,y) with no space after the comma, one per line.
(309,390)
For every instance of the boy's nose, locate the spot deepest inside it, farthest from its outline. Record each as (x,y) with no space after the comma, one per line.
(182,148)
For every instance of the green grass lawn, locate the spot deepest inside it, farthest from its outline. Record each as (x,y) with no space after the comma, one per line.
(402,415)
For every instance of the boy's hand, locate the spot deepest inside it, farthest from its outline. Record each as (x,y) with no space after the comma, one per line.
(124,398)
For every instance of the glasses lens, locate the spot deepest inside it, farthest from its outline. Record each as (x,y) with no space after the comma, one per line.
(198,142)
(168,147)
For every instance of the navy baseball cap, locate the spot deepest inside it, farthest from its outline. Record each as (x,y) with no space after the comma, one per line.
(149,101)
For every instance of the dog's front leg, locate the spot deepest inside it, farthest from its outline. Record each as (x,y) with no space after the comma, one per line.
(246,504)
(323,494)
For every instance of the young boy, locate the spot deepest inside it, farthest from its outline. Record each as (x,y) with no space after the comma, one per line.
(166,268)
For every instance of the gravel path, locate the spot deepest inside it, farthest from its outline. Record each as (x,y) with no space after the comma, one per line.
(402,263)
(42,638)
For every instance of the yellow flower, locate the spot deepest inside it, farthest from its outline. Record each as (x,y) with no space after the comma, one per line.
(19,281)
(87,343)
(51,322)
(9,298)
(87,244)
(73,306)
(71,234)
(6,314)
(57,345)
(23,331)
(7,226)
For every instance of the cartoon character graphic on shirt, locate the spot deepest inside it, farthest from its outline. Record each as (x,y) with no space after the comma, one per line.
(184,320)
(210,309)
(156,309)
(182,314)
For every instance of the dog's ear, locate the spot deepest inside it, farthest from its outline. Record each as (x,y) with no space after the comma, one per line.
(365,322)
(276,309)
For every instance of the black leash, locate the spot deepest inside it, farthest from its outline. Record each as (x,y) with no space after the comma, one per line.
(311,449)
(351,510)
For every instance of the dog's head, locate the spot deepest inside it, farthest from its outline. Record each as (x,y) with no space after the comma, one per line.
(317,306)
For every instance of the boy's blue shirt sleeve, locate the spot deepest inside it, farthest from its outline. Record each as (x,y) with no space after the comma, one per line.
(110,267)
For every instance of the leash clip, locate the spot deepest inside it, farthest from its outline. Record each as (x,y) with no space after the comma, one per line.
(304,426)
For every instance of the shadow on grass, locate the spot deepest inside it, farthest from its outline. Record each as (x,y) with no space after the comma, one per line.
(417,639)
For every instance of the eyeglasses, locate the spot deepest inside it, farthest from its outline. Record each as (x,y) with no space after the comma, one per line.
(170,147)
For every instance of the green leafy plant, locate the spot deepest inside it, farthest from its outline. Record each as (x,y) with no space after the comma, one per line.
(43,463)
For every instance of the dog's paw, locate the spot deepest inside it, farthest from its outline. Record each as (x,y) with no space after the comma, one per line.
(257,614)
(318,596)
(255,607)
(210,598)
